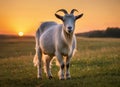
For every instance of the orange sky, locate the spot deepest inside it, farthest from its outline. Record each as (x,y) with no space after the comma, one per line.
(26,15)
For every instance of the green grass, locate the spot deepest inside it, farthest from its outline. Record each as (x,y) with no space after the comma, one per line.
(95,64)
(15,47)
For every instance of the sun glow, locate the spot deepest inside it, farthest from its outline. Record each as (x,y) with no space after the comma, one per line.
(20,34)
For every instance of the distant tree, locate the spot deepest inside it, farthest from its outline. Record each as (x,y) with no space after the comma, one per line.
(112,32)
(109,32)
(97,33)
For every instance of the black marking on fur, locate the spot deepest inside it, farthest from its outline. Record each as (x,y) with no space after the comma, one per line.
(67,65)
(62,66)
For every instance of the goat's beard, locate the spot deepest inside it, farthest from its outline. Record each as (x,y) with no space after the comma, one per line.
(68,34)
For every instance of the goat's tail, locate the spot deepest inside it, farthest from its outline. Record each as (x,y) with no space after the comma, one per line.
(35,60)
(37,48)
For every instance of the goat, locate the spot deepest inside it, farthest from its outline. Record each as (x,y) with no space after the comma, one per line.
(58,40)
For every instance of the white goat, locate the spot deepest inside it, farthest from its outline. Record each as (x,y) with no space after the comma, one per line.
(58,40)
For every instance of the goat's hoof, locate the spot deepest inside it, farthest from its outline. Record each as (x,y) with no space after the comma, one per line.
(50,77)
(40,78)
(68,78)
(62,78)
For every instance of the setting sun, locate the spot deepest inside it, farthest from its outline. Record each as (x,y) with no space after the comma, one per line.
(20,34)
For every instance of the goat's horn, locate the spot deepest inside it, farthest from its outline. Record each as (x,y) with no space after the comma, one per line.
(63,10)
(73,10)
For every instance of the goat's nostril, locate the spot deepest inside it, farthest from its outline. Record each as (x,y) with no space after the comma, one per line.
(70,27)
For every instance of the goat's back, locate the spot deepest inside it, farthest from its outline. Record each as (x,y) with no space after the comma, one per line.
(46,25)
(43,27)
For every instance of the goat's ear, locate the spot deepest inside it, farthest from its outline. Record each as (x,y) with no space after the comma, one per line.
(59,17)
(78,16)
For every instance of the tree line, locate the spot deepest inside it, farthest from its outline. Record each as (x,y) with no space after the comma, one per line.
(109,32)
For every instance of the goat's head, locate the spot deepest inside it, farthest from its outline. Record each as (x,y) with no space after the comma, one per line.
(68,20)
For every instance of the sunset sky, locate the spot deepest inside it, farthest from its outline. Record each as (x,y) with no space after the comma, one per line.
(26,15)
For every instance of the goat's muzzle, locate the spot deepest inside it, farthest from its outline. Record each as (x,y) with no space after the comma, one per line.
(70,29)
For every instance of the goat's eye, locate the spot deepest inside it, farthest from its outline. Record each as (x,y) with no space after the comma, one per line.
(63,20)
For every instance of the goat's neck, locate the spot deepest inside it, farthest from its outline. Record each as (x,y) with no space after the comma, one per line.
(67,37)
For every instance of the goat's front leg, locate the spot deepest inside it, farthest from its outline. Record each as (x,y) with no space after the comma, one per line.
(67,73)
(61,63)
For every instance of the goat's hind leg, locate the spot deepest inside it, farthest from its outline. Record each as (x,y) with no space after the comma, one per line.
(39,65)
(47,67)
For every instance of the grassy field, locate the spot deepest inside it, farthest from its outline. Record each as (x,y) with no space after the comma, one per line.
(95,64)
